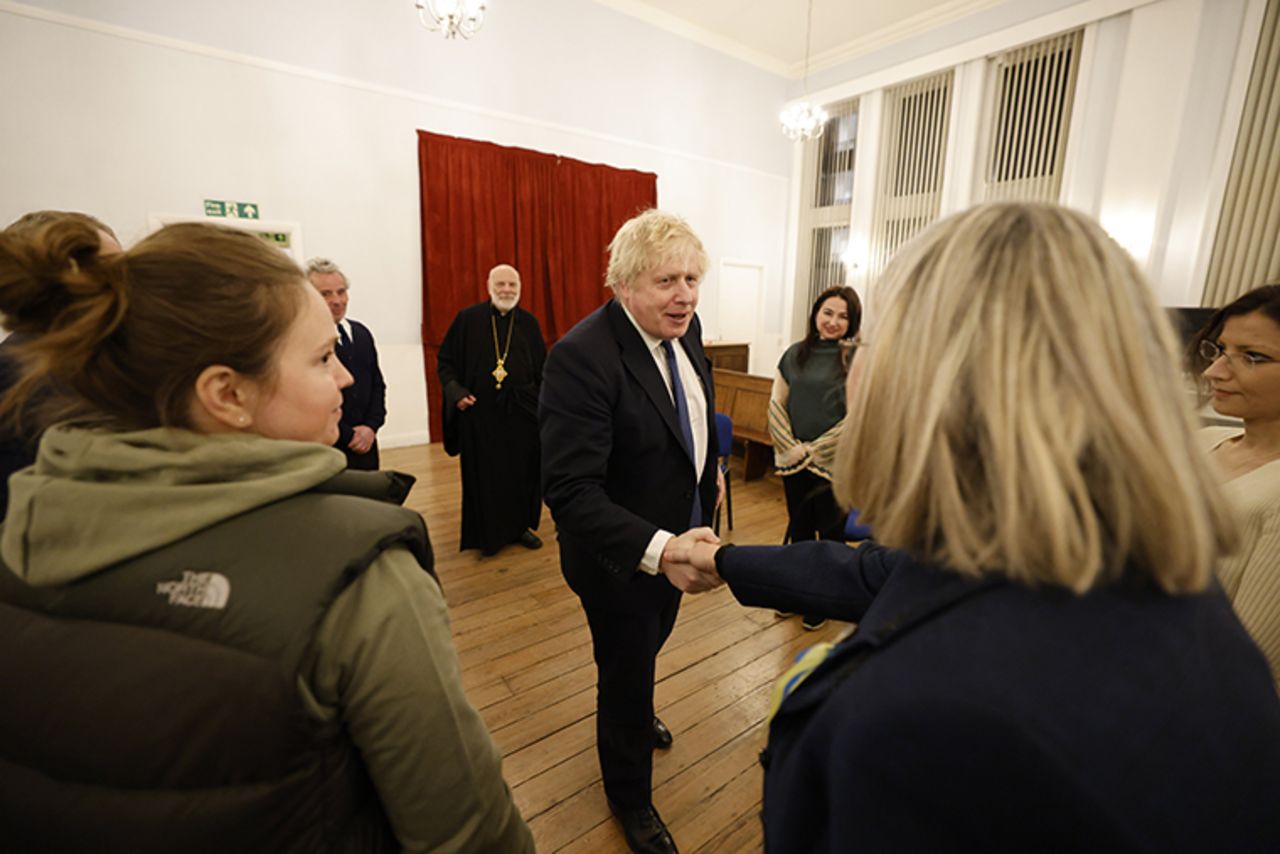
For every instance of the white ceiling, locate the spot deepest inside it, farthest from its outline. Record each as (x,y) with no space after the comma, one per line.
(771,33)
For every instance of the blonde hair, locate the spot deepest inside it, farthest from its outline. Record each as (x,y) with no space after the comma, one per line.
(1019,410)
(646,240)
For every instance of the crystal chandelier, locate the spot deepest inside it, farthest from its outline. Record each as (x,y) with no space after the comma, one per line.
(803,120)
(452,17)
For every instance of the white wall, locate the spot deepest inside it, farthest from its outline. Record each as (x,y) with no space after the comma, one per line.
(994,18)
(1183,72)
(1158,102)
(310,110)
(129,107)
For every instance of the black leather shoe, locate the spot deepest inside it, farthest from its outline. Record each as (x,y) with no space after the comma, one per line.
(661,735)
(645,831)
(530,540)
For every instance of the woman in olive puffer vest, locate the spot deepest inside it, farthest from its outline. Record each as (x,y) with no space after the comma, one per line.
(223,641)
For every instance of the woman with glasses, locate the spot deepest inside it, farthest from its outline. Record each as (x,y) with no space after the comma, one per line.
(806,414)
(1042,661)
(1239,355)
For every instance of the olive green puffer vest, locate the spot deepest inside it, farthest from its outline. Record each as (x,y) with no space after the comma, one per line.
(154,706)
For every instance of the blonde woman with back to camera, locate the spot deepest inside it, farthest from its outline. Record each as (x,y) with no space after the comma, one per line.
(212,638)
(1041,660)
(1239,354)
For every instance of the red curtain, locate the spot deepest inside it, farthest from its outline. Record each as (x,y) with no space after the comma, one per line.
(550,217)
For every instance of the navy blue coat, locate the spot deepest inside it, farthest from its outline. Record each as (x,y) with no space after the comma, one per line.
(990,715)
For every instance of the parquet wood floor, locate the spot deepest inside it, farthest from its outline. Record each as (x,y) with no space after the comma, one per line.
(526,664)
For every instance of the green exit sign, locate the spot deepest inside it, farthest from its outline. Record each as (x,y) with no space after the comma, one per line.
(235,210)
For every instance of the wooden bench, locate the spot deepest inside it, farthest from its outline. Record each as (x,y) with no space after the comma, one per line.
(745,399)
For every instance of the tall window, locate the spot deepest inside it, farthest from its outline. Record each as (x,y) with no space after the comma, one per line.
(824,218)
(1029,96)
(912,156)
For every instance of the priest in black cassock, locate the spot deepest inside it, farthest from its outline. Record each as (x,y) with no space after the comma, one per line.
(490,367)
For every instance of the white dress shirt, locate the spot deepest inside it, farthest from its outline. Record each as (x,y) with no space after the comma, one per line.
(696,401)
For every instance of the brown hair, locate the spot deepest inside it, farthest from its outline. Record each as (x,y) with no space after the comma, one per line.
(1264,299)
(853,306)
(128,334)
(30,222)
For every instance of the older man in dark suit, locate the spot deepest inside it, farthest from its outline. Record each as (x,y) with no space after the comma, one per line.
(364,402)
(628,448)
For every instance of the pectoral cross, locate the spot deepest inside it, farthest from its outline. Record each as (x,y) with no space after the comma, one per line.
(500,373)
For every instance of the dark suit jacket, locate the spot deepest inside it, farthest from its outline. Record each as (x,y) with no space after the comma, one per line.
(614,468)
(987,715)
(365,400)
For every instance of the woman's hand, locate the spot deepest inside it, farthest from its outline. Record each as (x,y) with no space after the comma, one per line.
(793,456)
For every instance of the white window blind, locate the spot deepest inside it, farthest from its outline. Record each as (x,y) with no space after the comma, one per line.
(1029,96)
(912,155)
(1246,253)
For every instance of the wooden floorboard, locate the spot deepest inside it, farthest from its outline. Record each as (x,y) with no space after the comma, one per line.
(525,653)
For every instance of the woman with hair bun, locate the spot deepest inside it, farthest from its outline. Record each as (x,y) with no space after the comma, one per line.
(216,639)
(18,439)
(1042,661)
(1238,353)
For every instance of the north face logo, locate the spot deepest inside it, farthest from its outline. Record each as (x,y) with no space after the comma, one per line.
(197,590)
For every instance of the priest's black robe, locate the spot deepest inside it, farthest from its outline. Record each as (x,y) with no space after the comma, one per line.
(497,437)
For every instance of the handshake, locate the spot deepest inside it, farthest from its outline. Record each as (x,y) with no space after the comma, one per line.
(689,561)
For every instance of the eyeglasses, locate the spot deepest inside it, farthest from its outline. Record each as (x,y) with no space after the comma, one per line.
(1210,351)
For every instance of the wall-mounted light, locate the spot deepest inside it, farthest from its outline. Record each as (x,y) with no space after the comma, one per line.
(1133,228)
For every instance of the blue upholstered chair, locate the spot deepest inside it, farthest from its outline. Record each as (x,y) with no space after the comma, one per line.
(854,530)
(724,444)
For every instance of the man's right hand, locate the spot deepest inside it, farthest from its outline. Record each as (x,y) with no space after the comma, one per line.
(466,402)
(679,571)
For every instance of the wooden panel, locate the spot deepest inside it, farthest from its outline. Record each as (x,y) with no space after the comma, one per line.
(728,355)
(745,399)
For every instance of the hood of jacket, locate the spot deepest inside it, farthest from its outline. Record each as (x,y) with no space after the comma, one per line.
(96,497)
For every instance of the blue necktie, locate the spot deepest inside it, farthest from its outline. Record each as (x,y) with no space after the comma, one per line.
(343,340)
(682,415)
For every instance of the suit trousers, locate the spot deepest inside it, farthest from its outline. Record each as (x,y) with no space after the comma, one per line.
(625,643)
